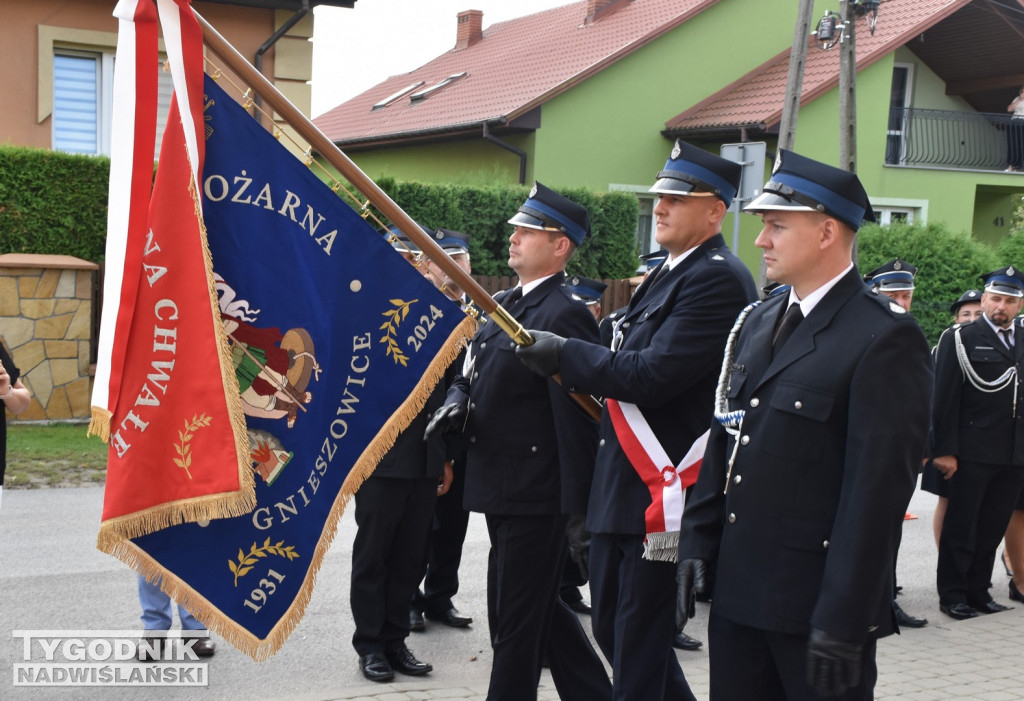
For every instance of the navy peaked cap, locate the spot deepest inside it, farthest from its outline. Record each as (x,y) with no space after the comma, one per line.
(587,289)
(1006,281)
(893,276)
(452,242)
(691,170)
(546,210)
(968,296)
(802,184)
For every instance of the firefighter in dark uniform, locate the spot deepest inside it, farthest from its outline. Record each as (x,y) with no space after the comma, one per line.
(393,511)
(979,440)
(451,520)
(531,463)
(664,368)
(895,280)
(822,419)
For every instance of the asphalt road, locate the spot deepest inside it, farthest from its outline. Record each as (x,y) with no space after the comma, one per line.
(52,577)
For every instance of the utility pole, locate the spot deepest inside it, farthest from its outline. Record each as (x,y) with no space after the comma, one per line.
(848,87)
(795,77)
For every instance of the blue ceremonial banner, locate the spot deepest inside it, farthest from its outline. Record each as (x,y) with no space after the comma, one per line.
(336,342)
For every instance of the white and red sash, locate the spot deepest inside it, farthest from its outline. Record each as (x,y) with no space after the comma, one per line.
(667,482)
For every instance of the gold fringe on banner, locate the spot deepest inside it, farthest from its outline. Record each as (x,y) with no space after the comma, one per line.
(212,617)
(99,424)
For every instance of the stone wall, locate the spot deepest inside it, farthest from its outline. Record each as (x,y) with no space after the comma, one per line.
(46,323)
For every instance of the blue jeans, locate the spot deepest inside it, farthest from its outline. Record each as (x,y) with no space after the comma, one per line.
(157,611)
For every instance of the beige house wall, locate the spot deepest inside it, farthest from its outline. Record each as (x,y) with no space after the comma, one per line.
(32,30)
(46,324)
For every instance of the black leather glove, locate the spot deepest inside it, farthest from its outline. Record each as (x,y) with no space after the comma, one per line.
(448,419)
(579,544)
(544,355)
(833,665)
(692,577)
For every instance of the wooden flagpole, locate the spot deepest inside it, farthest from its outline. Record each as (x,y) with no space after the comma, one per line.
(380,199)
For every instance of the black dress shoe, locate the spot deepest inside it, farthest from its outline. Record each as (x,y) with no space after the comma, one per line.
(682,641)
(960,612)
(402,660)
(1015,594)
(579,606)
(990,607)
(451,617)
(376,667)
(416,623)
(204,647)
(906,620)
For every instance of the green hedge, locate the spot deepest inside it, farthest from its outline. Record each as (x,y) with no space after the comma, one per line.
(948,264)
(53,202)
(609,252)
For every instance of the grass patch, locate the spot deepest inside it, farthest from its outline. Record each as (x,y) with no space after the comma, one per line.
(53,455)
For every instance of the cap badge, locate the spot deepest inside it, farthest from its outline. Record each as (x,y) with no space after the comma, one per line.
(676,150)
(778,163)
(533,192)
(438,235)
(1009,271)
(897,266)
(575,280)
(972,293)
(897,308)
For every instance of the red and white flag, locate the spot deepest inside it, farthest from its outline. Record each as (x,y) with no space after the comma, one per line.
(165,395)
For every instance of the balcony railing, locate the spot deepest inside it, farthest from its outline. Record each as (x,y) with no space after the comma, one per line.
(949,139)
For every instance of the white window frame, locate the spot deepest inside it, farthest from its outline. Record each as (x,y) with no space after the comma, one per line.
(908,94)
(916,211)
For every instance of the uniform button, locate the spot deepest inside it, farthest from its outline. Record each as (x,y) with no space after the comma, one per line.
(533,449)
(798,404)
(872,629)
(825,545)
(732,518)
(484,344)
(476,375)
(512,344)
(754,401)
(472,405)
(600,443)
(745,439)
(737,479)
(625,324)
(472,439)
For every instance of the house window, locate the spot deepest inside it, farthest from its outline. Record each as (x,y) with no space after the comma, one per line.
(897,215)
(899,118)
(83,101)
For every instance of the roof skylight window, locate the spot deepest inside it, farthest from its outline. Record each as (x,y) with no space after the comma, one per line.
(395,96)
(424,94)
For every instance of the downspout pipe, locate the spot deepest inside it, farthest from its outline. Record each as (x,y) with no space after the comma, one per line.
(488,136)
(265,47)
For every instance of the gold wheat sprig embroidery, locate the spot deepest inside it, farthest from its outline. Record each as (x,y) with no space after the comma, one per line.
(184,449)
(247,560)
(394,318)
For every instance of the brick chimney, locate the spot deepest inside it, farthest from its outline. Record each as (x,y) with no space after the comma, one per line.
(597,9)
(470,29)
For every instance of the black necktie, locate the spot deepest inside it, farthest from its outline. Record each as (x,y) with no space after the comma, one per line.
(512,297)
(790,319)
(1007,338)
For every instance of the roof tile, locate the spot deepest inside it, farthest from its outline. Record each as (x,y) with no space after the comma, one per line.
(519,64)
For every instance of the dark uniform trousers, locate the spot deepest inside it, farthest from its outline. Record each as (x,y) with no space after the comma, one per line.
(986,434)
(535,545)
(835,423)
(668,361)
(393,511)
(444,551)
(773,663)
(642,594)
(531,462)
(981,499)
(388,557)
